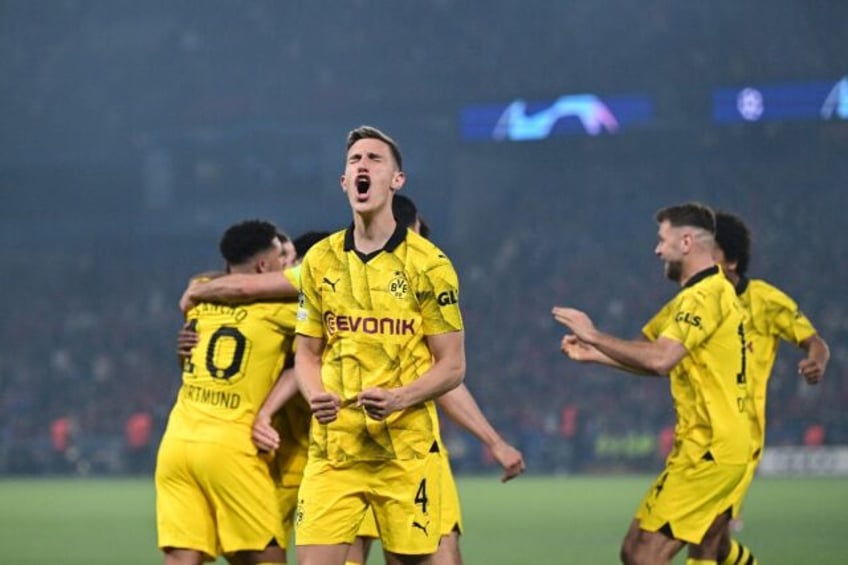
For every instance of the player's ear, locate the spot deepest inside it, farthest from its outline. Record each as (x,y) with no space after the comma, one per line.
(342,183)
(397,181)
(686,240)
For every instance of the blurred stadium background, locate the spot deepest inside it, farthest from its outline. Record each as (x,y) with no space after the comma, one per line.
(539,138)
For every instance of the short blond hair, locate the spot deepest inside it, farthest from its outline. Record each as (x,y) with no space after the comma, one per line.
(370,132)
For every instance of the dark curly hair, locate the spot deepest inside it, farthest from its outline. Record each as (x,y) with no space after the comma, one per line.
(734,239)
(244,240)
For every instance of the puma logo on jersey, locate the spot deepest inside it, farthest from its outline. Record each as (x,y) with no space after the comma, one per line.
(420,527)
(332,283)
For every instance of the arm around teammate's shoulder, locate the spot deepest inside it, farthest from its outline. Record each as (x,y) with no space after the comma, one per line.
(238,288)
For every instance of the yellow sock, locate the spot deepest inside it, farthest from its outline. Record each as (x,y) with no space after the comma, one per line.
(739,555)
(352,563)
(692,561)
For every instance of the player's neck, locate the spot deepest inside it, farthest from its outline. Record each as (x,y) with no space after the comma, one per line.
(244,270)
(371,232)
(733,277)
(694,266)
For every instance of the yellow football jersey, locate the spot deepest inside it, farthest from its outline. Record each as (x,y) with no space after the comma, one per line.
(238,358)
(292,420)
(374,313)
(772,316)
(708,385)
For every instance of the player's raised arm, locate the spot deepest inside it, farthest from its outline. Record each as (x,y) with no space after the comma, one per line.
(643,357)
(580,351)
(239,288)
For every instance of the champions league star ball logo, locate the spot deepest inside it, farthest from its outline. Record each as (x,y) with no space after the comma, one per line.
(750,104)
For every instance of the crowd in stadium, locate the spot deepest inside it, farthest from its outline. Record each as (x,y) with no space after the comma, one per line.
(88,370)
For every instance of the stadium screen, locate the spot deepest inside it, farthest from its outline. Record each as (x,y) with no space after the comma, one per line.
(571,114)
(788,101)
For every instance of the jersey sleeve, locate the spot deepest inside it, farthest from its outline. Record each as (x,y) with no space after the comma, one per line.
(787,320)
(691,320)
(309,321)
(438,289)
(292,275)
(655,325)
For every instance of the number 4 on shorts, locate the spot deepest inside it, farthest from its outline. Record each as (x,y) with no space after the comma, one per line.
(421,496)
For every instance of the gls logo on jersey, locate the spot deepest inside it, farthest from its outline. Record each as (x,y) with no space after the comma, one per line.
(448,297)
(688,318)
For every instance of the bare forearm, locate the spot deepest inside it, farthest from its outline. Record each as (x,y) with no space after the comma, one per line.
(608,361)
(445,375)
(817,349)
(239,288)
(284,389)
(814,365)
(229,288)
(638,357)
(307,371)
(460,406)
